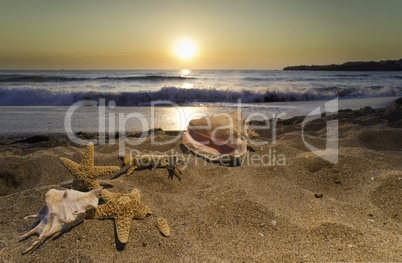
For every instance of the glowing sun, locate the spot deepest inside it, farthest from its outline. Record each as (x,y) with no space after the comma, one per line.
(185,49)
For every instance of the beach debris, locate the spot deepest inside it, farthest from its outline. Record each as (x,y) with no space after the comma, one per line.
(123,208)
(85,135)
(219,137)
(153,161)
(34,139)
(337,181)
(273,224)
(163,226)
(319,195)
(63,210)
(85,173)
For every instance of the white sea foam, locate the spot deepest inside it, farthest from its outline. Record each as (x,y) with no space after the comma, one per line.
(42,97)
(137,88)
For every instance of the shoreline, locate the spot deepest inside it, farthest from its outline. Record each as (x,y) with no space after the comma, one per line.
(49,136)
(17,121)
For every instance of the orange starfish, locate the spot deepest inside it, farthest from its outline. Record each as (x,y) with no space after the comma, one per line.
(123,208)
(85,174)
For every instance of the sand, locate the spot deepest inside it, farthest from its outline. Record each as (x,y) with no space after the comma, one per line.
(300,208)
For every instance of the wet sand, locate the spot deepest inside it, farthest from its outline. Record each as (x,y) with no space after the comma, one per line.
(294,207)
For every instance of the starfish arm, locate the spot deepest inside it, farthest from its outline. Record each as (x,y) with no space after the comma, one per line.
(127,160)
(175,171)
(136,194)
(97,171)
(123,228)
(88,160)
(136,209)
(103,211)
(163,164)
(178,170)
(107,195)
(131,169)
(180,161)
(72,167)
(251,133)
(85,184)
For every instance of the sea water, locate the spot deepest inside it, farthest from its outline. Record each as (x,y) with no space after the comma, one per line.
(33,102)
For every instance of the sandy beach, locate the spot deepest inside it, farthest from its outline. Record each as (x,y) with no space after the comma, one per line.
(291,207)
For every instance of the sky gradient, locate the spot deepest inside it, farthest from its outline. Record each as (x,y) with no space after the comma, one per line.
(249,34)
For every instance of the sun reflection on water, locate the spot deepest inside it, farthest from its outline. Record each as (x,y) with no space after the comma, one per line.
(177,118)
(185,72)
(187,85)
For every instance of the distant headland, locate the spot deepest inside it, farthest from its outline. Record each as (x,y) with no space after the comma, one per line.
(384,65)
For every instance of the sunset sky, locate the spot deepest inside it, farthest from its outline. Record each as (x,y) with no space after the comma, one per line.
(249,34)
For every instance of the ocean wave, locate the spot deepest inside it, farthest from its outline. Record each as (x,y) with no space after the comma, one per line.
(42,78)
(352,75)
(40,97)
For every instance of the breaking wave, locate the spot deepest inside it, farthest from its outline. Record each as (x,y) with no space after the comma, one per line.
(41,97)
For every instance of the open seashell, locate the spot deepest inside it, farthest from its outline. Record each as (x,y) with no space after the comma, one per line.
(219,137)
(63,209)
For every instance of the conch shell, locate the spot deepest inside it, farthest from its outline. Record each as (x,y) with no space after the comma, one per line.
(63,209)
(218,138)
